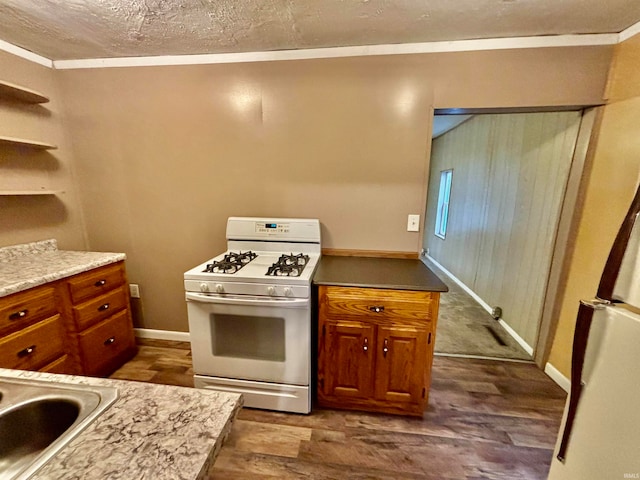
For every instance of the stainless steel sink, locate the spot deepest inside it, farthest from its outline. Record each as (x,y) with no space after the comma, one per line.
(39,418)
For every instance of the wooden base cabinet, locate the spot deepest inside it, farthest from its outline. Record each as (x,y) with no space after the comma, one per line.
(77,325)
(375,348)
(32,334)
(99,319)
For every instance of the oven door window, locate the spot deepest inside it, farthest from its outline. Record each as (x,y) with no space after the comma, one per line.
(254,338)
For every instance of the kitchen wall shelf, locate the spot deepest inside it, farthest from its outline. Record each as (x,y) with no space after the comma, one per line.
(23,94)
(23,193)
(20,142)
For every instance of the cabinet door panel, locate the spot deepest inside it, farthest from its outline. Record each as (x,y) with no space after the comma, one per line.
(377,303)
(348,359)
(59,365)
(105,341)
(95,282)
(25,308)
(99,308)
(34,346)
(402,354)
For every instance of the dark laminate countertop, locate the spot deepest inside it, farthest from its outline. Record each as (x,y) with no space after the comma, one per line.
(392,273)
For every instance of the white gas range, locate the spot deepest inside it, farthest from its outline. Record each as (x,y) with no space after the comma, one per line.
(250,313)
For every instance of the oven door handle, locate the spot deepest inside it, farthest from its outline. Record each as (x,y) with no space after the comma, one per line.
(249,300)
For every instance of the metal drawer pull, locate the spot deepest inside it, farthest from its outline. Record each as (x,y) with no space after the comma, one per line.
(18,315)
(365,347)
(110,340)
(104,307)
(385,347)
(26,351)
(377,309)
(100,283)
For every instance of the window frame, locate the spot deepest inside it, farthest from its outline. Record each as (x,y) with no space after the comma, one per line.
(444,201)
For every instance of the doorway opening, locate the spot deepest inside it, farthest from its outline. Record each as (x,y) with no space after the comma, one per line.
(501,193)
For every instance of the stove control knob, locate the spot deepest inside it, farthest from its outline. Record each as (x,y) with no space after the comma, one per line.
(204,287)
(271,291)
(219,288)
(287,291)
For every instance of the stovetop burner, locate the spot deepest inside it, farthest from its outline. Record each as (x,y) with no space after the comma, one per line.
(231,262)
(289,265)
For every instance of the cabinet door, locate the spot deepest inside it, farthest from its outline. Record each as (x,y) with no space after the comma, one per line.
(22,309)
(95,282)
(348,359)
(402,356)
(34,346)
(98,308)
(104,343)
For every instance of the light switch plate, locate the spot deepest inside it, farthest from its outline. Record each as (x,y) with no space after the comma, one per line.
(134,290)
(413,223)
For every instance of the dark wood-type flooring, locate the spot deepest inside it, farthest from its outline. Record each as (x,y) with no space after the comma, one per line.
(486,419)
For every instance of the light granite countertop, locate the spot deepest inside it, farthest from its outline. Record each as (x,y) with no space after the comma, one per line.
(32,264)
(150,432)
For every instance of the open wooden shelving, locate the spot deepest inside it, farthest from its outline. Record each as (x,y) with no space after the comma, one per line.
(24,193)
(27,96)
(21,142)
(20,93)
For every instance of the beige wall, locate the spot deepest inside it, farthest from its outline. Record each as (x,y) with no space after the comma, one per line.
(610,189)
(27,219)
(343,140)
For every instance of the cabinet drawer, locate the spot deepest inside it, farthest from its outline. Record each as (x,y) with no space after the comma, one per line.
(100,344)
(100,308)
(24,308)
(374,302)
(95,282)
(59,365)
(34,346)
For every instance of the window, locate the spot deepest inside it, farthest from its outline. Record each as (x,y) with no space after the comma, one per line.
(442,214)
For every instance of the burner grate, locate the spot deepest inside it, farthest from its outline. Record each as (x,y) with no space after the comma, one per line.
(288,265)
(231,262)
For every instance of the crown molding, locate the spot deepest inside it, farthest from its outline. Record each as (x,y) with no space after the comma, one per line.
(26,54)
(340,52)
(549,41)
(627,33)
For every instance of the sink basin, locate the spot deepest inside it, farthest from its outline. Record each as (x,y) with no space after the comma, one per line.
(39,418)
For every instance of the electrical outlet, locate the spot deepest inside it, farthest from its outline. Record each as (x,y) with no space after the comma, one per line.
(413,223)
(134,290)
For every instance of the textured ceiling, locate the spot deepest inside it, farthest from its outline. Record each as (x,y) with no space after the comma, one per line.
(77,29)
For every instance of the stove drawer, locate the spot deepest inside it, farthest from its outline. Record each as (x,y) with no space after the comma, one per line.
(106,344)
(378,303)
(34,346)
(101,307)
(25,308)
(95,282)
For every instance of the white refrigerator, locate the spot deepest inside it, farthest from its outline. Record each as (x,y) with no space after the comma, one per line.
(600,433)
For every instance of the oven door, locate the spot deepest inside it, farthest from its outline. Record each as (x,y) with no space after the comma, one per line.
(250,338)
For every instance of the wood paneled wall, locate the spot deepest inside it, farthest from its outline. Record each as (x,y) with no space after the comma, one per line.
(509,178)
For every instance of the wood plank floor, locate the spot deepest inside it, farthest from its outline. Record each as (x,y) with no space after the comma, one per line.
(486,419)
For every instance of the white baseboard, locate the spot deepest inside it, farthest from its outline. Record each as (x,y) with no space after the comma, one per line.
(481,357)
(162,334)
(527,348)
(455,279)
(557,377)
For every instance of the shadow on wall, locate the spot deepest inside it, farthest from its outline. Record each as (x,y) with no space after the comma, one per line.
(137,313)
(23,212)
